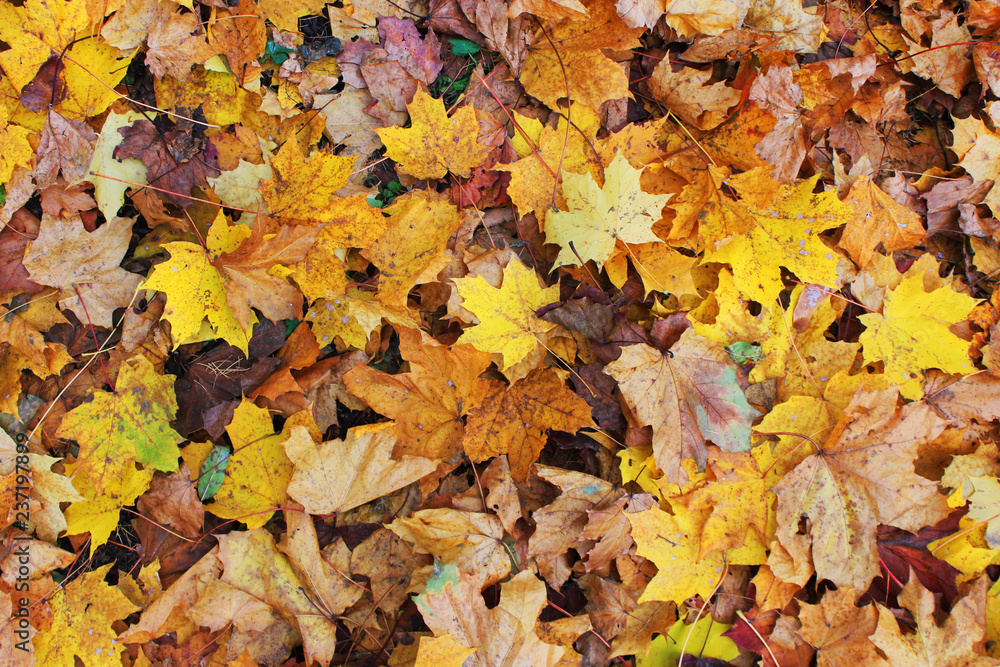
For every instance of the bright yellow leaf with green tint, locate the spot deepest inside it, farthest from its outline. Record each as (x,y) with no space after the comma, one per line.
(258,472)
(703,639)
(786,234)
(912,332)
(672,542)
(83,613)
(300,192)
(131,424)
(99,514)
(597,218)
(435,144)
(441,651)
(90,91)
(36,30)
(196,290)
(507,322)
(14,147)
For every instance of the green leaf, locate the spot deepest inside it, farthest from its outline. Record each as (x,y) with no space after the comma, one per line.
(463,47)
(213,472)
(705,641)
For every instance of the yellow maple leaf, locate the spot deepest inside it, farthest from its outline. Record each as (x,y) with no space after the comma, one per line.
(100,513)
(435,144)
(441,651)
(705,216)
(14,147)
(597,218)
(738,499)
(91,91)
(131,424)
(412,249)
(507,322)
(543,150)
(258,471)
(569,61)
(672,542)
(786,234)
(36,30)
(83,612)
(300,192)
(911,334)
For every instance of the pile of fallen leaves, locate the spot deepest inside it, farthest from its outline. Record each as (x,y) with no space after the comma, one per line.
(526,333)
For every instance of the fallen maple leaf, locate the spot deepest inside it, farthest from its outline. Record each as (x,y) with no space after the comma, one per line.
(861,476)
(513,420)
(507,322)
(82,614)
(786,234)
(689,395)
(258,472)
(599,217)
(429,402)
(503,636)
(435,144)
(911,334)
(959,641)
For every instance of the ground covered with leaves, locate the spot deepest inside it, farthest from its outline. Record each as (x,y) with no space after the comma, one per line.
(526,333)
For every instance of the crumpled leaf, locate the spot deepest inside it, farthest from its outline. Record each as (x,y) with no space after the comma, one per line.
(84,266)
(339,475)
